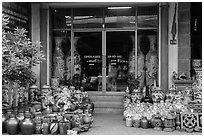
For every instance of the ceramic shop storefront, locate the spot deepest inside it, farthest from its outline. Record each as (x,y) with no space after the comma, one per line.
(105,43)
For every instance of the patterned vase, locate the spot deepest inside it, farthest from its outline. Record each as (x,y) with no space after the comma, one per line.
(58,59)
(54,126)
(152,61)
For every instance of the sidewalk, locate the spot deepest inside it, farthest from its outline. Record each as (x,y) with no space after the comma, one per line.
(113,124)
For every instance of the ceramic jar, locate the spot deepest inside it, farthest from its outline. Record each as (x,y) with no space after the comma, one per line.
(87,118)
(136,123)
(144,123)
(45,126)
(33,90)
(12,124)
(169,123)
(157,122)
(157,95)
(27,125)
(129,122)
(54,82)
(62,128)
(54,127)
(4,117)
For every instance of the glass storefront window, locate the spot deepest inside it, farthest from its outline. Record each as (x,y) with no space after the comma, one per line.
(147,17)
(89,48)
(61,18)
(120,59)
(88,17)
(120,18)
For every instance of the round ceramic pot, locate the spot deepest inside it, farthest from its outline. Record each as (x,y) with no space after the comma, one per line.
(27,125)
(12,124)
(87,119)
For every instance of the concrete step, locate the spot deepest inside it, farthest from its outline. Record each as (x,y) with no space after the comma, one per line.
(108,110)
(108,104)
(98,93)
(105,98)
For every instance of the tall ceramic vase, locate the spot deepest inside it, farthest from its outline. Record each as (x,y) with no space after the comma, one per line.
(58,59)
(151,61)
(140,64)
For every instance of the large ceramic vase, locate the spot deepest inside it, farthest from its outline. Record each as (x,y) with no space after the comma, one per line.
(27,125)
(140,64)
(12,124)
(152,61)
(58,59)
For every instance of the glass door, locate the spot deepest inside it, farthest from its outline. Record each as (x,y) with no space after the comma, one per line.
(88,50)
(120,59)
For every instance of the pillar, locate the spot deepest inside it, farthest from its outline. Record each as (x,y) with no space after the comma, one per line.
(164,45)
(35,31)
(184,48)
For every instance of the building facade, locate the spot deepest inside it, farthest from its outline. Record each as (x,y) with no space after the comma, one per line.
(107,42)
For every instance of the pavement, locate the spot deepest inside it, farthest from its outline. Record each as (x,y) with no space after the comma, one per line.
(113,124)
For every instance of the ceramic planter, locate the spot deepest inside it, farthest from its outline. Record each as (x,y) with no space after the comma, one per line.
(12,124)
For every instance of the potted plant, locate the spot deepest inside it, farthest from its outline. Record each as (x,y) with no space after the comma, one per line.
(19,55)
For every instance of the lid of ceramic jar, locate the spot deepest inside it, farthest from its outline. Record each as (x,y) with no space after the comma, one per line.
(46,87)
(33,87)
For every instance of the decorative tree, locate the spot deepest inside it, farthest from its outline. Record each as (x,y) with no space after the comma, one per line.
(19,54)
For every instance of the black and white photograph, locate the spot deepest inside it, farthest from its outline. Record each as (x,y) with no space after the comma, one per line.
(101,67)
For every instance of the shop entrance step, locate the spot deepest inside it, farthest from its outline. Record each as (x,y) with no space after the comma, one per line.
(109,102)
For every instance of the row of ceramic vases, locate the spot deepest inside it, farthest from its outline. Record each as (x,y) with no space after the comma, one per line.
(156,124)
(24,124)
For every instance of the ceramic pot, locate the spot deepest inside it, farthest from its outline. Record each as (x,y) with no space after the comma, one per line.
(12,124)
(27,125)
(4,117)
(129,122)
(157,123)
(45,126)
(62,128)
(87,119)
(54,126)
(136,123)
(144,123)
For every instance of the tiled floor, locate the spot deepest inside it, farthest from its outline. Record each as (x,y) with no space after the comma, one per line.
(113,124)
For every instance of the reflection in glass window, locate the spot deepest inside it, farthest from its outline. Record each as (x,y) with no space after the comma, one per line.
(89,48)
(120,59)
(120,18)
(87,17)
(147,17)
(61,18)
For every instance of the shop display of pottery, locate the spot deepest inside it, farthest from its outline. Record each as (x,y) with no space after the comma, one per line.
(171,110)
(60,110)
